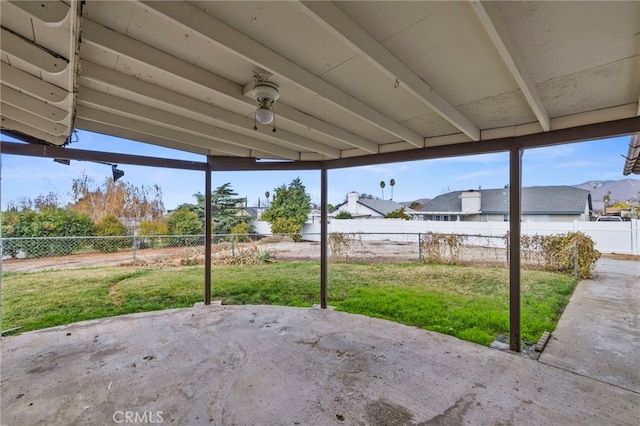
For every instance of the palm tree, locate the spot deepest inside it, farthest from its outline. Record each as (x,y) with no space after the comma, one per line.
(392,183)
(266,195)
(382,185)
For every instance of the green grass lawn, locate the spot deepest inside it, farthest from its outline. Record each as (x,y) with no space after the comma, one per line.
(468,302)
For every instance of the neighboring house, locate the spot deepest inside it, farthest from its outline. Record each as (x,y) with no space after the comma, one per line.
(255,213)
(539,203)
(366,208)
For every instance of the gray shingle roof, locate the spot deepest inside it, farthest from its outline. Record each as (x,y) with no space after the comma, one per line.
(535,200)
(381,206)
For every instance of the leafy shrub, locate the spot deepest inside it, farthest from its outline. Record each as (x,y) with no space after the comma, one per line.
(557,252)
(52,222)
(397,214)
(185,222)
(289,226)
(107,227)
(562,249)
(149,228)
(241,232)
(342,244)
(343,214)
(442,248)
(152,229)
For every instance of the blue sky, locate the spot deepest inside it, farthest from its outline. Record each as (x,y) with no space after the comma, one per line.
(568,164)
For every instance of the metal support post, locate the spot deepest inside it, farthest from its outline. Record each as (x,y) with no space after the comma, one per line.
(515,210)
(207,235)
(323,238)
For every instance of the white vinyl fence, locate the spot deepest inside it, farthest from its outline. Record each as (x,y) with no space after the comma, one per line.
(609,237)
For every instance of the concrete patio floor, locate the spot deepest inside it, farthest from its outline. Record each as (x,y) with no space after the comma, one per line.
(598,335)
(269,365)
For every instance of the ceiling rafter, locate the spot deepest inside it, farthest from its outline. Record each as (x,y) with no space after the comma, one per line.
(34,86)
(28,51)
(121,132)
(11,124)
(33,105)
(190,106)
(92,114)
(33,120)
(498,31)
(183,124)
(238,43)
(121,44)
(333,19)
(50,12)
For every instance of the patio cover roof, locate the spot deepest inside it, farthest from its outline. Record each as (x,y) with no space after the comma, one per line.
(356,79)
(632,165)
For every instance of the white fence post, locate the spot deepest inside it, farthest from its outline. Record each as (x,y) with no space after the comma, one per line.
(635,240)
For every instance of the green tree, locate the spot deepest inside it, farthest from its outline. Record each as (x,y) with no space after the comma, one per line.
(47,222)
(289,209)
(343,214)
(225,206)
(392,183)
(154,228)
(149,228)
(241,232)
(184,222)
(382,185)
(108,227)
(397,214)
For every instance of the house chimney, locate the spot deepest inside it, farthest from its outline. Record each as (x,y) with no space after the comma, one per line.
(352,202)
(471,201)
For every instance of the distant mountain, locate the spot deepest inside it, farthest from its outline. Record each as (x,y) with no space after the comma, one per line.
(621,190)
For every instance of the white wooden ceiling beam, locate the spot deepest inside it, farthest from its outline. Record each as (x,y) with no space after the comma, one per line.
(91,114)
(33,120)
(28,51)
(497,29)
(334,20)
(11,124)
(183,124)
(121,44)
(118,132)
(189,106)
(34,86)
(239,44)
(33,105)
(49,12)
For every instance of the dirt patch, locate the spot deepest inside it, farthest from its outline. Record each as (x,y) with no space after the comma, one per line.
(619,256)
(114,295)
(89,260)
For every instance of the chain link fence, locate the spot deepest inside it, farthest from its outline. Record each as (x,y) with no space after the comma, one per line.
(255,248)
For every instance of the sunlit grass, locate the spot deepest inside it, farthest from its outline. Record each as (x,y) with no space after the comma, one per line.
(468,302)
